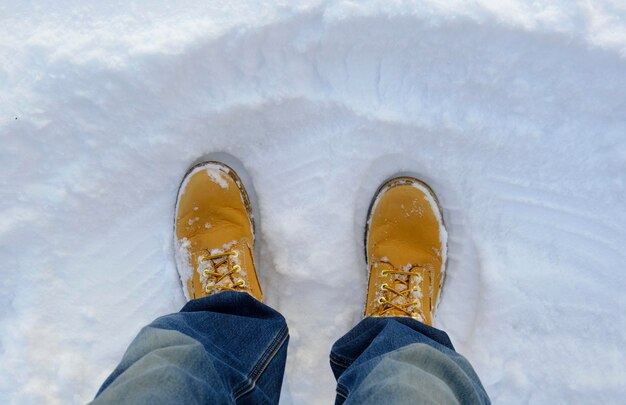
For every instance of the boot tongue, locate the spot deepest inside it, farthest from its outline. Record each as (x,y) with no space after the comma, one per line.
(402,282)
(222,264)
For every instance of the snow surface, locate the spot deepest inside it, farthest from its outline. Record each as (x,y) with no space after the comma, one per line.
(513,111)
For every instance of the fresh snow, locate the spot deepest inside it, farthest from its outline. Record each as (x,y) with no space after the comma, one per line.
(513,111)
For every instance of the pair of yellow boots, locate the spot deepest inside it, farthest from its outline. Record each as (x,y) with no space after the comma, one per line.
(405,242)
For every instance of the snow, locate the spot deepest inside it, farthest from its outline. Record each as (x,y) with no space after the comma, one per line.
(217,176)
(182,258)
(513,111)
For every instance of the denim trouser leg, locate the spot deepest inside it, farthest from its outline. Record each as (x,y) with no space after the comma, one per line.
(402,361)
(231,348)
(220,349)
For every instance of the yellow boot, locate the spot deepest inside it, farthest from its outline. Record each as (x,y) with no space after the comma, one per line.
(405,248)
(214,233)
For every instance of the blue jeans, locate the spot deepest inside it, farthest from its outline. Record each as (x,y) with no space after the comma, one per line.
(230,348)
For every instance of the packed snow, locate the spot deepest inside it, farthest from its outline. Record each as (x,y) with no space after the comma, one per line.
(513,111)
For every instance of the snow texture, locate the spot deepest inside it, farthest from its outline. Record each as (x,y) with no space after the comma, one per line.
(513,111)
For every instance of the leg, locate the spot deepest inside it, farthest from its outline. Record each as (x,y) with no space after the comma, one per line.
(394,355)
(402,361)
(225,348)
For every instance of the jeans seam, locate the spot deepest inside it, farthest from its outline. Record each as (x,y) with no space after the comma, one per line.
(339,361)
(342,391)
(268,355)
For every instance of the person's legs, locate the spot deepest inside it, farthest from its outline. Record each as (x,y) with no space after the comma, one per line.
(394,356)
(225,348)
(402,361)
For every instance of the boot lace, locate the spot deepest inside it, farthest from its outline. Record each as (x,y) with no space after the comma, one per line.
(221,266)
(404,294)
